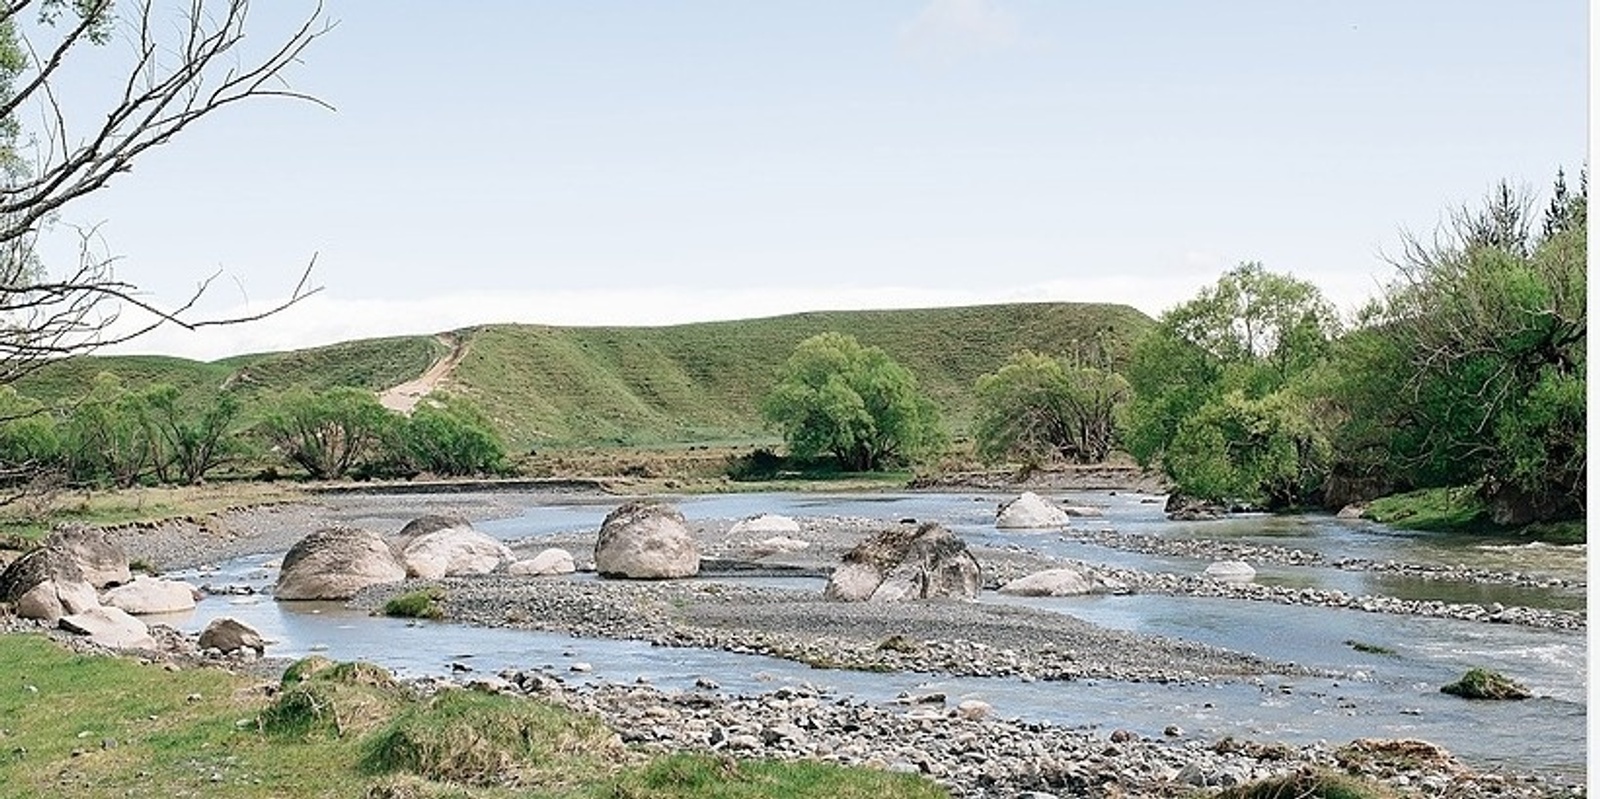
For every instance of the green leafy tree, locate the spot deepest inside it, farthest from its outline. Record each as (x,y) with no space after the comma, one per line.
(449,436)
(1036,409)
(191,432)
(838,398)
(1475,357)
(109,437)
(329,433)
(1197,374)
(30,441)
(1266,451)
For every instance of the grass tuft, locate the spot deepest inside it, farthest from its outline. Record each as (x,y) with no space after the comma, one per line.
(475,738)
(421,604)
(1308,784)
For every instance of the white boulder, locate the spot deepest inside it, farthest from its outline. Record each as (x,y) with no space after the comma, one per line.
(1063,581)
(109,627)
(1231,571)
(766,524)
(646,541)
(778,545)
(453,551)
(52,599)
(335,563)
(547,563)
(146,595)
(1030,512)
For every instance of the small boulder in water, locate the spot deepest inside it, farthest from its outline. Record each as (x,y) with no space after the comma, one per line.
(1231,571)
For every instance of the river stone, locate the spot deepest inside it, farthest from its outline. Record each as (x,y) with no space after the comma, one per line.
(974,709)
(231,635)
(453,551)
(102,561)
(146,595)
(902,563)
(1354,510)
(1231,571)
(646,540)
(1030,512)
(423,525)
(778,545)
(1064,581)
(1082,511)
(335,563)
(109,627)
(52,599)
(549,562)
(766,524)
(45,564)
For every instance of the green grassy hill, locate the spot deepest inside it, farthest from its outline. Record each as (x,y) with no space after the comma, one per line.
(704,381)
(583,386)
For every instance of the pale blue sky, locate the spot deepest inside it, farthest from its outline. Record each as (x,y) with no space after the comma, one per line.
(652,162)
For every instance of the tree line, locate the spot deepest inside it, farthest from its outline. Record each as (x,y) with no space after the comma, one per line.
(1469,369)
(117,436)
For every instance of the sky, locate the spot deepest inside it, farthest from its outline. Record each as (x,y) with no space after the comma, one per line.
(652,163)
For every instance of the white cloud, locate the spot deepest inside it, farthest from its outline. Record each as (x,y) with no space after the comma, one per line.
(945,30)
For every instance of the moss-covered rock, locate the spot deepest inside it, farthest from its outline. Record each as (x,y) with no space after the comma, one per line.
(1485,684)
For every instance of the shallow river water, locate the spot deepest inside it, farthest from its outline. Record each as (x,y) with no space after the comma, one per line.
(1377,695)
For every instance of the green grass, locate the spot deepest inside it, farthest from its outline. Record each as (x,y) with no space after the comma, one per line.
(1462,510)
(551,386)
(423,604)
(82,726)
(1432,509)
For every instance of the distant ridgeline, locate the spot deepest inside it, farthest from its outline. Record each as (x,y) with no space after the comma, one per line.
(580,386)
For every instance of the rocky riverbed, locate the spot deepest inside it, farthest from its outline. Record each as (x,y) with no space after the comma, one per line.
(974,753)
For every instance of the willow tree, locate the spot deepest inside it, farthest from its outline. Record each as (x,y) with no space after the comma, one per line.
(855,403)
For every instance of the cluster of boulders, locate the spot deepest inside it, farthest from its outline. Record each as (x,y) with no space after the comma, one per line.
(639,540)
(80,580)
(336,562)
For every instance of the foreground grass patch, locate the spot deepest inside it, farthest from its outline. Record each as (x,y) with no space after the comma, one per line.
(78,726)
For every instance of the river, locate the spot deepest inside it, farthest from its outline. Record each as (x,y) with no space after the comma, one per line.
(1389,694)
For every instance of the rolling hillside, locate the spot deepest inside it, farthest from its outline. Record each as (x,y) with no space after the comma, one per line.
(571,386)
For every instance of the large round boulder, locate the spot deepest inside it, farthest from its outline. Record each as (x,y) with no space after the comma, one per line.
(453,551)
(335,563)
(903,563)
(147,595)
(46,583)
(646,541)
(1030,512)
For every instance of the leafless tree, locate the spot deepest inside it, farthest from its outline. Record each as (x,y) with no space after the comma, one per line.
(188,59)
